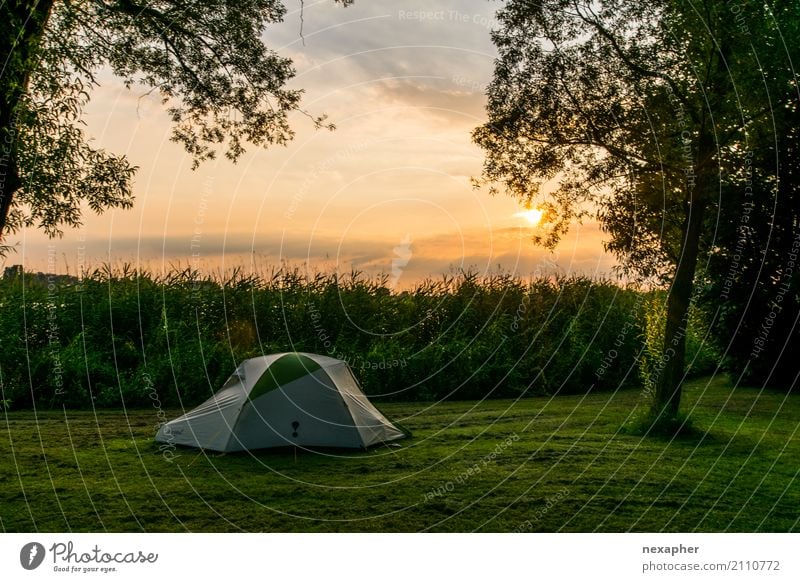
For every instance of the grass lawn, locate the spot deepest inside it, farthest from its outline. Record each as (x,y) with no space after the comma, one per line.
(537,464)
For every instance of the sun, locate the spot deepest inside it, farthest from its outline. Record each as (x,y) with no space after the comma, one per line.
(532,215)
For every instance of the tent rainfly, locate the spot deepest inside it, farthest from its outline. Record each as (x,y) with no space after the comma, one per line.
(291,399)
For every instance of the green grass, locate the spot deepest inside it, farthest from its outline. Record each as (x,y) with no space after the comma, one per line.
(566,467)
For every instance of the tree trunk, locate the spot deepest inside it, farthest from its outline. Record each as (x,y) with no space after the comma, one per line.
(669,384)
(668,388)
(22,25)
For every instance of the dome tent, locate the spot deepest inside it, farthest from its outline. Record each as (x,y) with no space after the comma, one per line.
(291,399)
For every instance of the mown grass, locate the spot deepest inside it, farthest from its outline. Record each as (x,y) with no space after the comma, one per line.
(559,464)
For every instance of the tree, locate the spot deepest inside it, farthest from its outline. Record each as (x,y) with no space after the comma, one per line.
(752,278)
(222,86)
(638,114)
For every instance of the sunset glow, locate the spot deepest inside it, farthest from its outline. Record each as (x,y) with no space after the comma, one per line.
(532,215)
(398,165)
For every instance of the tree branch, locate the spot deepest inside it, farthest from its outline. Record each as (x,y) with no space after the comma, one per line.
(634,67)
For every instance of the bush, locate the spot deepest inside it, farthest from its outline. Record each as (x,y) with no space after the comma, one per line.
(121,336)
(702,354)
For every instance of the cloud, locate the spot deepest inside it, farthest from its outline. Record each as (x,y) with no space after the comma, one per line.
(436,97)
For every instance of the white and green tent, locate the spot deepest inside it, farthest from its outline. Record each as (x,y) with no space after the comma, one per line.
(280,400)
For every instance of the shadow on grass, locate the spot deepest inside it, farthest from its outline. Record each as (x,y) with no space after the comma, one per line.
(680,428)
(281,452)
(685,430)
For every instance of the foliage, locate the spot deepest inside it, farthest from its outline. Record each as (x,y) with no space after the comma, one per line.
(752,280)
(222,86)
(121,336)
(703,355)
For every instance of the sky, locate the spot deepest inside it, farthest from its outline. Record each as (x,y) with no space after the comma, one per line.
(388,192)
